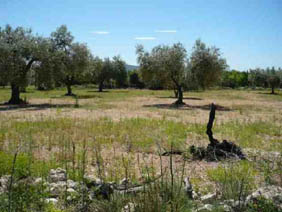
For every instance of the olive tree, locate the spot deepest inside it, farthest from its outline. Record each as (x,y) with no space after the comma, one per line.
(135,79)
(274,82)
(71,58)
(100,71)
(206,64)
(167,64)
(120,73)
(19,50)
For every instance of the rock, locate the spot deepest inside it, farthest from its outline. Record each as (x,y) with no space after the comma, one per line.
(195,195)
(99,181)
(208,197)
(72,184)
(124,181)
(57,188)
(129,207)
(4,181)
(188,188)
(58,174)
(52,200)
(91,181)
(273,193)
(71,190)
(227,208)
(206,207)
(234,204)
(38,181)
(72,194)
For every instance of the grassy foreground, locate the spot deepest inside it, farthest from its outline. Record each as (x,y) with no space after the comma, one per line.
(121,133)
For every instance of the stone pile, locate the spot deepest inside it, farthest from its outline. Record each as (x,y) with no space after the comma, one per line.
(271,193)
(58,184)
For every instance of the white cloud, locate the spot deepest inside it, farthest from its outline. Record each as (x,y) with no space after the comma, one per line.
(166,31)
(145,38)
(101,32)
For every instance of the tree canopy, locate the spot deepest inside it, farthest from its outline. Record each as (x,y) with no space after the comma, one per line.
(19,50)
(57,60)
(207,64)
(71,58)
(166,63)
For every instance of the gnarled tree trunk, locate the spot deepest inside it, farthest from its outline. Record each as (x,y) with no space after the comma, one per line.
(69,90)
(101,84)
(15,95)
(272,90)
(180,96)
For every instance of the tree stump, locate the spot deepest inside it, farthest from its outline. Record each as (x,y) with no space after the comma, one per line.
(216,150)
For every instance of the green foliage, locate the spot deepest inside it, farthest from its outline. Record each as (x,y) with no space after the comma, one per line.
(24,166)
(19,50)
(274,82)
(21,165)
(25,197)
(164,65)
(206,64)
(23,194)
(120,72)
(71,59)
(111,72)
(234,79)
(266,78)
(135,79)
(235,180)
(262,205)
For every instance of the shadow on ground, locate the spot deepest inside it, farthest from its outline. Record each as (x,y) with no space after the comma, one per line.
(187,107)
(96,91)
(88,96)
(76,96)
(269,93)
(188,98)
(109,90)
(34,107)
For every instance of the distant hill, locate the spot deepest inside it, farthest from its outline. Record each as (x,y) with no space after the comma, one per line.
(131,67)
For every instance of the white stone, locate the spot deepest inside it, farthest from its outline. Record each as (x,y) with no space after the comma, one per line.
(208,197)
(38,180)
(52,200)
(72,184)
(124,181)
(227,208)
(71,190)
(129,207)
(58,174)
(4,180)
(206,207)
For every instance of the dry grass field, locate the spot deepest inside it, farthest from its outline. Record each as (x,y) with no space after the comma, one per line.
(121,133)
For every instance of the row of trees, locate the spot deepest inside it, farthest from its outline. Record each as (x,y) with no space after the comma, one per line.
(266,78)
(54,61)
(170,67)
(49,62)
(269,77)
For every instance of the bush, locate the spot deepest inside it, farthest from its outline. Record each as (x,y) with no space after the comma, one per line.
(24,196)
(262,205)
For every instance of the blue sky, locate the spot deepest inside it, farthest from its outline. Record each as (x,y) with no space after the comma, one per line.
(248,32)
